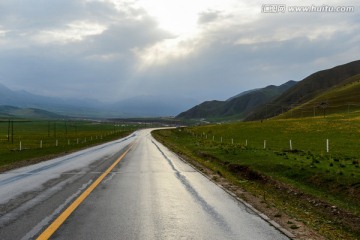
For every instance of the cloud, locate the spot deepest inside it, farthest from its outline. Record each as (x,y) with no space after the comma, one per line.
(111,50)
(243,55)
(74,57)
(208,16)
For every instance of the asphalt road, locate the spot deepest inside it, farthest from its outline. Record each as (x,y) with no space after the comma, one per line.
(149,194)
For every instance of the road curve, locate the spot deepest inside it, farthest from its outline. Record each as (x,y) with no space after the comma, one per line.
(149,194)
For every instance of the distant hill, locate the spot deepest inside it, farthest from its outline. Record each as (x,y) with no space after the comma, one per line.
(140,106)
(341,99)
(28,113)
(23,99)
(307,89)
(237,107)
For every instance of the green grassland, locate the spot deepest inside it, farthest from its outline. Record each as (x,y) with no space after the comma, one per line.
(43,139)
(343,100)
(322,179)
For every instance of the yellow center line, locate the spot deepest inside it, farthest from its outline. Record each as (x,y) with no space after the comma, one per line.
(65,214)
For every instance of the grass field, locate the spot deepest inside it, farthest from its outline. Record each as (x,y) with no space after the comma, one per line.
(343,100)
(323,179)
(38,140)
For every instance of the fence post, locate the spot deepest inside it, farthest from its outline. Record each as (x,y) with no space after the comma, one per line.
(246,142)
(264,144)
(20,146)
(291,147)
(327,146)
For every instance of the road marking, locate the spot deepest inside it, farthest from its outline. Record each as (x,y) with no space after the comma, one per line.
(65,214)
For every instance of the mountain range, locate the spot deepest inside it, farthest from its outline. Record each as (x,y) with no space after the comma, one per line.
(274,100)
(141,106)
(315,91)
(237,107)
(30,113)
(307,89)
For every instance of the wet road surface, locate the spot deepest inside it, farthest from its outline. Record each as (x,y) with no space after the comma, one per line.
(150,194)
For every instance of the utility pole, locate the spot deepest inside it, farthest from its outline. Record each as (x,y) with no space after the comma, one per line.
(8,132)
(12,131)
(55,129)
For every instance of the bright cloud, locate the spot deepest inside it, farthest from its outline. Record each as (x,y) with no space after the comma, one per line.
(192,23)
(164,52)
(73,32)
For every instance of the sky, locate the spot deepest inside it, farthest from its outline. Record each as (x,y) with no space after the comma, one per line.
(110,50)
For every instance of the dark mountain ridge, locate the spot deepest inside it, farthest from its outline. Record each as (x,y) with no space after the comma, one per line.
(238,106)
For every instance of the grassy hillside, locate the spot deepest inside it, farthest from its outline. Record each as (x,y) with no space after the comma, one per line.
(237,107)
(307,89)
(342,100)
(317,185)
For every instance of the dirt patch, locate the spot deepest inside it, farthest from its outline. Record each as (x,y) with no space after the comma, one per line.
(246,172)
(340,216)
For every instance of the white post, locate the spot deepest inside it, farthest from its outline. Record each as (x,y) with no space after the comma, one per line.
(20,146)
(327,146)
(264,144)
(213,138)
(40,143)
(246,143)
(291,148)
